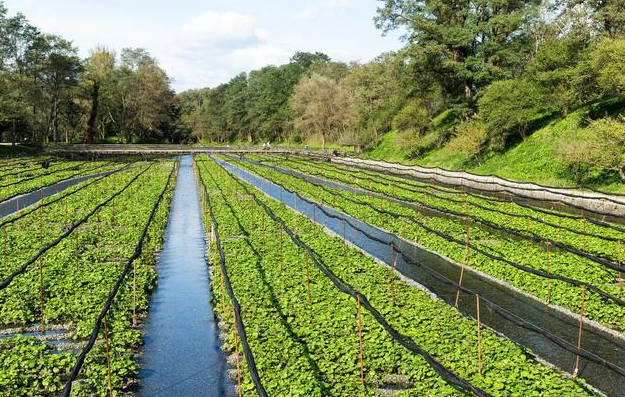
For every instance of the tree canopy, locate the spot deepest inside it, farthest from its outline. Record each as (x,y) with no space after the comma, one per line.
(49,94)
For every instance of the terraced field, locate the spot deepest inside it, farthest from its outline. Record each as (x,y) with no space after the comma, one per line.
(317,281)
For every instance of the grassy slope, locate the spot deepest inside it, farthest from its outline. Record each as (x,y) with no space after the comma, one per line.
(534,160)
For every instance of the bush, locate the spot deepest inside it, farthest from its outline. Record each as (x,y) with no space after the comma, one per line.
(469,139)
(412,118)
(510,107)
(601,147)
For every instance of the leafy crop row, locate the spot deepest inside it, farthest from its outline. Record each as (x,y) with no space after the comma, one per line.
(309,346)
(34,183)
(77,276)
(578,233)
(521,252)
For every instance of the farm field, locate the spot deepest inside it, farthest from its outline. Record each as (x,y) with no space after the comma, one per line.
(301,307)
(507,240)
(62,260)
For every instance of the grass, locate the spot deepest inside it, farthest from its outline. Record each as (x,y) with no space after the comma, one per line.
(535,159)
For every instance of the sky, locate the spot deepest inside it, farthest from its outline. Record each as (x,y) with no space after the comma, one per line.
(203,43)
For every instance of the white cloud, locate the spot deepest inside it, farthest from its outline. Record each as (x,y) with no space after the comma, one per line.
(213,47)
(323,8)
(219,30)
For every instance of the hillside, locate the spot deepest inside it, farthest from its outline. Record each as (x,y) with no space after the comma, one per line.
(535,159)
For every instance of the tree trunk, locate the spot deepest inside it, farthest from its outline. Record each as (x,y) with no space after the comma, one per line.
(468,90)
(323,144)
(621,173)
(93,117)
(14,137)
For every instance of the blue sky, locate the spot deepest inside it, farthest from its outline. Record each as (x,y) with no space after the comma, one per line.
(206,42)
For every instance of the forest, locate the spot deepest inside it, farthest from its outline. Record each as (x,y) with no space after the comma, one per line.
(49,94)
(474,78)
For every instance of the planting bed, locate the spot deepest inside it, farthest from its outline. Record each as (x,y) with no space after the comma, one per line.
(14,185)
(553,274)
(307,344)
(327,296)
(62,261)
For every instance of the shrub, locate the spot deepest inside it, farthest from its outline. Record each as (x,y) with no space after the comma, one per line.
(510,107)
(469,139)
(412,118)
(600,146)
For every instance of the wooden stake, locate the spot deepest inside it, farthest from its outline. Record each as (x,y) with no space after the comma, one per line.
(466,263)
(579,335)
(548,272)
(620,262)
(585,226)
(108,356)
(479,336)
(307,276)
(362,364)
(42,320)
(344,243)
(223,295)
(281,248)
(134,294)
(236,349)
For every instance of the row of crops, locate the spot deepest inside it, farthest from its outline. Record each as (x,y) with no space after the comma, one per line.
(553,256)
(76,273)
(302,311)
(26,176)
(321,318)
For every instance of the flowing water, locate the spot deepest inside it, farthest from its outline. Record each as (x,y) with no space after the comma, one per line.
(182,355)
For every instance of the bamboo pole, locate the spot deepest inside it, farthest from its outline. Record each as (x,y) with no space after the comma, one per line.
(362,364)
(236,349)
(479,336)
(108,356)
(548,272)
(579,335)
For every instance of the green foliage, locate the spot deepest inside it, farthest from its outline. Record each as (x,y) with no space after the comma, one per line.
(322,107)
(269,276)
(469,139)
(607,65)
(412,118)
(509,107)
(48,94)
(519,251)
(600,146)
(77,277)
(461,45)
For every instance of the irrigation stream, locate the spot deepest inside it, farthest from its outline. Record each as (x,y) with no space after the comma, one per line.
(594,340)
(182,354)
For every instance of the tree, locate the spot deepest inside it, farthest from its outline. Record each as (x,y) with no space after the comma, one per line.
(509,107)
(98,70)
(59,76)
(556,67)
(462,45)
(322,107)
(608,15)
(379,89)
(607,67)
(142,104)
